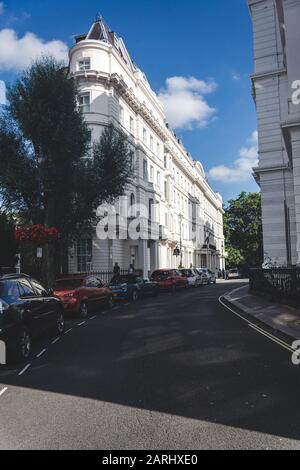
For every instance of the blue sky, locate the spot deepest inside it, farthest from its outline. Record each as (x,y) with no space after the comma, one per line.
(208,44)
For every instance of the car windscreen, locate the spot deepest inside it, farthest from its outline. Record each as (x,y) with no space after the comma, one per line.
(9,291)
(187,273)
(129,279)
(161,275)
(66,284)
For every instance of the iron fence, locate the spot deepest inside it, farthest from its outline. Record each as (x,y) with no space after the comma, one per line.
(105,276)
(281,284)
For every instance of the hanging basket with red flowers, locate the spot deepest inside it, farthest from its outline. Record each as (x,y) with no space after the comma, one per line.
(37,233)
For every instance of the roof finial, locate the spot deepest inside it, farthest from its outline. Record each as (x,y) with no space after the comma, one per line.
(98,17)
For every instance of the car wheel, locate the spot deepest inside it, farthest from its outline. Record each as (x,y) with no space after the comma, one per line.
(110,303)
(60,323)
(135,296)
(23,349)
(84,310)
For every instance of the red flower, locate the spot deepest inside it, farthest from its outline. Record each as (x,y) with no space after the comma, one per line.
(37,233)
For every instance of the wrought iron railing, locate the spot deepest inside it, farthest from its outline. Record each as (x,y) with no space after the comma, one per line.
(281,284)
(105,276)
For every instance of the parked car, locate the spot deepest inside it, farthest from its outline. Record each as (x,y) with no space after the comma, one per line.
(194,278)
(170,279)
(26,311)
(81,294)
(132,287)
(208,276)
(234,274)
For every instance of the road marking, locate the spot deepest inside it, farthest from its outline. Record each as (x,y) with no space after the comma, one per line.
(3,391)
(235,313)
(41,353)
(55,341)
(93,318)
(24,370)
(273,338)
(68,331)
(256,328)
(81,324)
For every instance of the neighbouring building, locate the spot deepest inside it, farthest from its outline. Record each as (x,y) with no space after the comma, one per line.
(277,69)
(112,89)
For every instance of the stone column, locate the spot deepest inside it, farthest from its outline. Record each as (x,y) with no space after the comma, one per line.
(143,256)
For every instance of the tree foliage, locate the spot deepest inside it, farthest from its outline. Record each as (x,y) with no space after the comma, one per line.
(8,245)
(49,174)
(243,231)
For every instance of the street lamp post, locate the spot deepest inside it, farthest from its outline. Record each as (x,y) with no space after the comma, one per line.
(222,251)
(181,255)
(207,239)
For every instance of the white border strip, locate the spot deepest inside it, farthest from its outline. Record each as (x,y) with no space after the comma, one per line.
(3,391)
(24,370)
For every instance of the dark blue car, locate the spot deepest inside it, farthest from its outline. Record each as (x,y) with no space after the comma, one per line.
(132,287)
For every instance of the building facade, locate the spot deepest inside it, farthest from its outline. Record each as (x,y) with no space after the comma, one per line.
(275,83)
(112,89)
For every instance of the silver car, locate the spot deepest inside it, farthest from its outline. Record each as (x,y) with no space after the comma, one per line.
(208,276)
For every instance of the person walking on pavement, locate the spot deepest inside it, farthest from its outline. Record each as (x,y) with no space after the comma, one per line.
(116,272)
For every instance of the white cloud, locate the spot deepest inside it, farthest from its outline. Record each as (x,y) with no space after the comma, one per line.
(241,170)
(17,53)
(2,93)
(1,8)
(184,104)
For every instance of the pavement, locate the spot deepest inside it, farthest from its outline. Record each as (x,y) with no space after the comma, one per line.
(281,318)
(182,371)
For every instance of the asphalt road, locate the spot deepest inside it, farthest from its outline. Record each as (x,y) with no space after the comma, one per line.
(177,372)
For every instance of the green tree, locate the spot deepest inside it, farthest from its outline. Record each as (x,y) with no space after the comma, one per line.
(49,173)
(8,245)
(243,231)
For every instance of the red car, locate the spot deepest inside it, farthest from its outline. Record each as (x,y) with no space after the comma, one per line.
(80,294)
(169,279)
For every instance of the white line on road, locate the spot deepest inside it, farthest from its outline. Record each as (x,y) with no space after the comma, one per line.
(259,330)
(273,338)
(3,391)
(82,323)
(55,341)
(24,370)
(68,331)
(93,318)
(41,353)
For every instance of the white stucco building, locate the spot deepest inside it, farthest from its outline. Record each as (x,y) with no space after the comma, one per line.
(112,89)
(277,69)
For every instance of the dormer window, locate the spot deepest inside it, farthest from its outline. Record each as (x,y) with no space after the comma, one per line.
(84,64)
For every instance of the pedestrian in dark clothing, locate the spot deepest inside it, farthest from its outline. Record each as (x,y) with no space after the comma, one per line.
(117,273)
(117,270)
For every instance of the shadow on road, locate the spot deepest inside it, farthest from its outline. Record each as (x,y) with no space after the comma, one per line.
(182,355)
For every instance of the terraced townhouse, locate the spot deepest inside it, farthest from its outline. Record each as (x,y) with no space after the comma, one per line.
(112,89)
